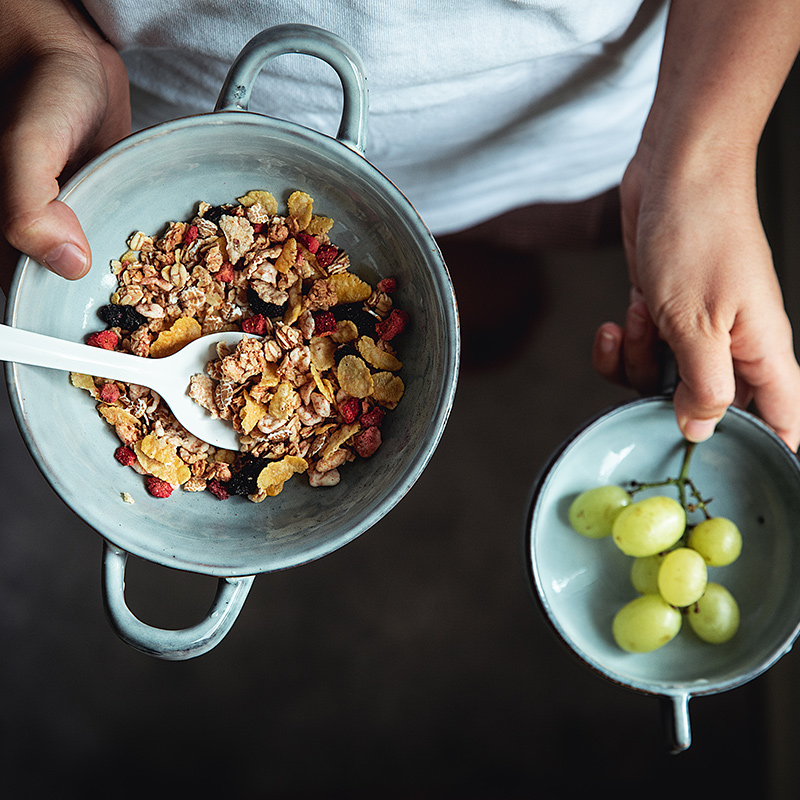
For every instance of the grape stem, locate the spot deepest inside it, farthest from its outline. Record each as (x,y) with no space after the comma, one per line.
(683,484)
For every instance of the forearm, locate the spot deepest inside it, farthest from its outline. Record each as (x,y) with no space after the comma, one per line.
(723,66)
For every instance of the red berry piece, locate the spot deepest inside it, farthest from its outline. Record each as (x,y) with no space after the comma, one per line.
(125,456)
(324,323)
(257,325)
(107,340)
(393,325)
(157,487)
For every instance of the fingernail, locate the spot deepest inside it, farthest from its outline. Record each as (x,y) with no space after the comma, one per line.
(606,342)
(698,430)
(66,260)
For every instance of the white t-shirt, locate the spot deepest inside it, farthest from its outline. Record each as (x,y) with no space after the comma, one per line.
(476,106)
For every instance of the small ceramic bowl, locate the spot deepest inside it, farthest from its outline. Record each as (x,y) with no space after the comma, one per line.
(581,583)
(159,175)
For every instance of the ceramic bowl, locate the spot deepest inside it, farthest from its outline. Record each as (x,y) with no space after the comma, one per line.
(581,583)
(158,175)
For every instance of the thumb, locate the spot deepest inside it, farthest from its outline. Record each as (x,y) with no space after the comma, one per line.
(706,387)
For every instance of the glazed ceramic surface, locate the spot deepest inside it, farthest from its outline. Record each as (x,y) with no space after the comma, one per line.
(160,175)
(581,583)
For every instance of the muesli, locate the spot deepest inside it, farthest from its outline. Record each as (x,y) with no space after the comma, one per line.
(307,389)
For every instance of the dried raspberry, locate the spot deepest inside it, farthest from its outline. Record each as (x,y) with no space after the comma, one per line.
(119,316)
(256,324)
(324,323)
(125,456)
(387,285)
(217,489)
(349,409)
(257,226)
(367,442)
(225,272)
(107,340)
(157,487)
(372,418)
(326,255)
(393,325)
(310,242)
(109,393)
(190,235)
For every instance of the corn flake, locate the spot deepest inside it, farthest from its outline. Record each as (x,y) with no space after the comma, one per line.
(300,207)
(346,331)
(284,401)
(322,349)
(278,472)
(373,355)
(252,412)
(349,288)
(265,199)
(288,257)
(354,377)
(183,331)
(388,389)
(83,381)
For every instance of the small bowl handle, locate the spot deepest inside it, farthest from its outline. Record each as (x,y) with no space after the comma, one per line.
(675,719)
(170,645)
(305,40)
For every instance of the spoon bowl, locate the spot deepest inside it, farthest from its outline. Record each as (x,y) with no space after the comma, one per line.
(168,376)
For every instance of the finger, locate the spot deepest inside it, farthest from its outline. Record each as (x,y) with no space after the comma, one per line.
(706,387)
(640,349)
(607,353)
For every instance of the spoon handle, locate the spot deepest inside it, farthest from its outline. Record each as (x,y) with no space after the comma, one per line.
(38,350)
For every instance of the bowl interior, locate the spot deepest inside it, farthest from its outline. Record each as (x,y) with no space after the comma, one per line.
(581,583)
(160,175)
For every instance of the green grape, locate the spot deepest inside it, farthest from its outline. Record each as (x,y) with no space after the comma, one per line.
(718,540)
(715,616)
(682,577)
(649,526)
(645,624)
(644,574)
(593,512)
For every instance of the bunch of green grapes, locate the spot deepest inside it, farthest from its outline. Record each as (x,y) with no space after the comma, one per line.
(671,558)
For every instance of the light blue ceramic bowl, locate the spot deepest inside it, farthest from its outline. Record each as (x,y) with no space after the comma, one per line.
(580,583)
(159,175)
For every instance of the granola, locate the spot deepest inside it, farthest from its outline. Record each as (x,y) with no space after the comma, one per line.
(308,385)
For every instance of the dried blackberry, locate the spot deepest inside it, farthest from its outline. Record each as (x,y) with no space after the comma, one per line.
(244,481)
(215,212)
(347,349)
(118,316)
(363,320)
(260,306)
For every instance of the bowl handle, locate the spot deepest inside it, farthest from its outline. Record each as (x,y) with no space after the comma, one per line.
(305,40)
(171,645)
(675,718)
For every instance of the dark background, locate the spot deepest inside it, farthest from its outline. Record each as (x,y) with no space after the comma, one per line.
(413,663)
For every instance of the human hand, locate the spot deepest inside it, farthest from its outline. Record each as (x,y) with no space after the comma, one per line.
(703,282)
(64,93)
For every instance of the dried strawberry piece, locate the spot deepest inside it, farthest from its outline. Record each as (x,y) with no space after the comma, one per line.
(387,285)
(324,323)
(326,254)
(157,487)
(225,272)
(311,243)
(109,393)
(107,340)
(393,325)
(349,409)
(367,442)
(257,324)
(257,226)
(217,489)
(125,456)
(190,235)
(372,418)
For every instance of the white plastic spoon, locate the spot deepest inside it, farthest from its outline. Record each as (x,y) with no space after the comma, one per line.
(168,376)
